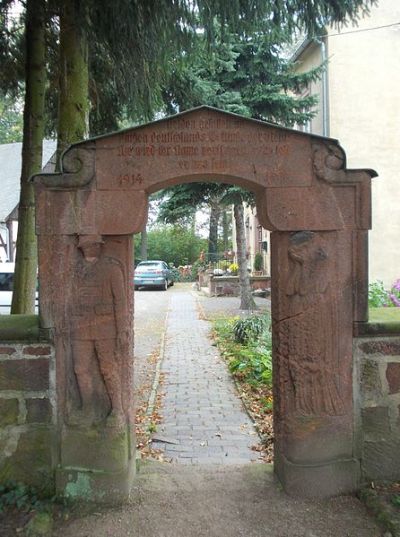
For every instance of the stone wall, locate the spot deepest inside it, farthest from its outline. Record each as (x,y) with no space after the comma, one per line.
(229,285)
(377,390)
(27,412)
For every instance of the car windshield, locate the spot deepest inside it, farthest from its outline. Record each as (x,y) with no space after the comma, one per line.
(149,266)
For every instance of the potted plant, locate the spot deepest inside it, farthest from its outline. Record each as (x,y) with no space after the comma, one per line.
(258,264)
(233,269)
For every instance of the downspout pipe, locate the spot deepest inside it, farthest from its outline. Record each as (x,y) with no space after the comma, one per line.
(325,110)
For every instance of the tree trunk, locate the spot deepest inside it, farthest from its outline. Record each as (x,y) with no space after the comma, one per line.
(246,298)
(225,230)
(73,113)
(143,245)
(35,80)
(213,231)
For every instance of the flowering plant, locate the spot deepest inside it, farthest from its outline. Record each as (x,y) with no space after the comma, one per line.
(233,268)
(394,294)
(378,297)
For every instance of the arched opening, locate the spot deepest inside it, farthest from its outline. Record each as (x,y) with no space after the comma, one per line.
(319,215)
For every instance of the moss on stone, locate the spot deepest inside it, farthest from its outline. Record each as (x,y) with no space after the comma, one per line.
(80,488)
(41,525)
(19,328)
(28,458)
(9,412)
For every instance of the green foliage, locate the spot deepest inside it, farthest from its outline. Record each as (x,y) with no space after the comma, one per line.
(377,295)
(23,497)
(173,244)
(11,121)
(258,261)
(196,267)
(255,366)
(250,328)
(247,345)
(396,500)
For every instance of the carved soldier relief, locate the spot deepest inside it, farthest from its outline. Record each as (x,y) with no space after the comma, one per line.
(98,333)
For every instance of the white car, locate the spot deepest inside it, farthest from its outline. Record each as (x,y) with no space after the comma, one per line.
(6,286)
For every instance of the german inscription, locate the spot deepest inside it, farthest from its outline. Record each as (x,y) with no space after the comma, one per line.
(205,145)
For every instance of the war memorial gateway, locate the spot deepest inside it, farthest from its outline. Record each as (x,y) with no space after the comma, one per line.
(327,366)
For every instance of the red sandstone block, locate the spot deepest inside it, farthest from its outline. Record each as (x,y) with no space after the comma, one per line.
(393,377)
(7,350)
(37,351)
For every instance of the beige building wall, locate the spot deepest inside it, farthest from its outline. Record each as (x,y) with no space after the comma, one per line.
(255,236)
(364,115)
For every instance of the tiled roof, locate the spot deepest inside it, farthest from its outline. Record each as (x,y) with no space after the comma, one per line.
(10,174)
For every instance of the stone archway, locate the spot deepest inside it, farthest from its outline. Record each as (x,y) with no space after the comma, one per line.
(319,214)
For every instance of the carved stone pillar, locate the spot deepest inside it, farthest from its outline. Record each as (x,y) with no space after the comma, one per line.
(86,305)
(312,328)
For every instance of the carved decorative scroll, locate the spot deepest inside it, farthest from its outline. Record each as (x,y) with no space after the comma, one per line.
(329,162)
(78,168)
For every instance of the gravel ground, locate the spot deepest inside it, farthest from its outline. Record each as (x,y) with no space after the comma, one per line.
(199,501)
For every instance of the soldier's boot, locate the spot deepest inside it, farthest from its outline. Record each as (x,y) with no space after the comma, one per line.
(113,385)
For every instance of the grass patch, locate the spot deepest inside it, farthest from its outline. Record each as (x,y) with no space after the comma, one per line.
(246,346)
(383,501)
(384,315)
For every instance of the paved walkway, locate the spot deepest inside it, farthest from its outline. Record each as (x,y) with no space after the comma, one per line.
(204,421)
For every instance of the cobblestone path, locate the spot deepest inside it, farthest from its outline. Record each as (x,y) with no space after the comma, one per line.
(204,421)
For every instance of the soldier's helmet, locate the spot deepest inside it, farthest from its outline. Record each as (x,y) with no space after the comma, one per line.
(87,240)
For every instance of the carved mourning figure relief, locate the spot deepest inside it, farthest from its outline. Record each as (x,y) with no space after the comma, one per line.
(98,331)
(313,364)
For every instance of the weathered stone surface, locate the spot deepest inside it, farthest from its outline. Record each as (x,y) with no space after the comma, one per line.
(37,351)
(207,143)
(19,328)
(380,459)
(320,480)
(375,421)
(28,375)
(312,324)
(384,347)
(393,377)
(95,449)
(371,384)
(9,412)
(7,350)
(27,458)
(102,487)
(38,411)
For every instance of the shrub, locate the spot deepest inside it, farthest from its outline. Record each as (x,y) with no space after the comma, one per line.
(377,296)
(250,328)
(258,261)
